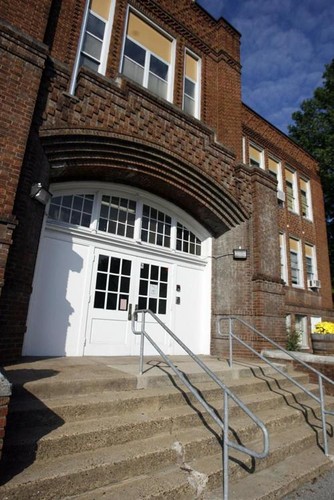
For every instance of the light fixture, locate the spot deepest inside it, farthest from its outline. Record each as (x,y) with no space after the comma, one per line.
(239,254)
(39,193)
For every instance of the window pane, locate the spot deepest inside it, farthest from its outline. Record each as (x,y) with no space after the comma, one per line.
(158,67)
(134,52)
(189,88)
(92,46)
(95,26)
(157,86)
(89,63)
(189,105)
(133,71)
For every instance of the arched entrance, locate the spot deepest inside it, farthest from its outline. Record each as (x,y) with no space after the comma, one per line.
(105,250)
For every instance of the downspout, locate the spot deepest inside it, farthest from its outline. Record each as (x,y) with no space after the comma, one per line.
(80,43)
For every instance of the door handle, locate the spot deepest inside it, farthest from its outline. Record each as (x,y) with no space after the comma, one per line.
(130,312)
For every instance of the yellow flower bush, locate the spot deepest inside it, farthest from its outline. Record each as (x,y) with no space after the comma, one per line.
(324,328)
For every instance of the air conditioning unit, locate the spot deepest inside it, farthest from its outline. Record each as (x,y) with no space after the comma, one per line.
(280,195)
(313,283)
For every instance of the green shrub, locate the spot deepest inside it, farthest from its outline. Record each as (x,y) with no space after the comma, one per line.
(293,340)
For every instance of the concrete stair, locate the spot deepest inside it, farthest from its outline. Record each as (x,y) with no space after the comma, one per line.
(91,428)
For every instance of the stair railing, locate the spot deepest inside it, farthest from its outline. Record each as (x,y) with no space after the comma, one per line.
(223,423)
(321,376)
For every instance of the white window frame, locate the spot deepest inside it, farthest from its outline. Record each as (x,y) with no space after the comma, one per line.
(300,269)
(148,53)
(106,39)
(314,262)
(279,172)
(314,320)
(261,151)
(197,84)
(301,326)
(283,259)
(295,191)
(98,189)
(309,214)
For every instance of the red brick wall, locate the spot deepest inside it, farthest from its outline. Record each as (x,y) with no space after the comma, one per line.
(4,402)
(114,130)
(313,232)
(32,22)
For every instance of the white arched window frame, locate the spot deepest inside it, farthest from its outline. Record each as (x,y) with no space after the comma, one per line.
(185,232)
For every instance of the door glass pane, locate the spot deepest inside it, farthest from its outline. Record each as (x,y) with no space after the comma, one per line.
(112,283)
(153,288)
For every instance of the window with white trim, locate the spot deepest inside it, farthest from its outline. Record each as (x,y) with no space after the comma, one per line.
(296,268)
(156,227)
(72,209)
(191,84)
(284,269)
(305,199)
(311,268)
(119,216)
(256,155)
(301,327)
(94,49)
(147,56)
(291,190)
(275,170)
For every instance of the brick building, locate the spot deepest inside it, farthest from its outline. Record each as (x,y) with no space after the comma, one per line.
(130,114)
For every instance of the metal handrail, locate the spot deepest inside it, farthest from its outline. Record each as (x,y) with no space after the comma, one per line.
(321,376)
(223,423)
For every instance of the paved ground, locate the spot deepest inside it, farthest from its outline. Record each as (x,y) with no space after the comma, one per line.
(321,488)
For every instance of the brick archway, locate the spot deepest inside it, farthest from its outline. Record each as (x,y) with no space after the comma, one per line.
(82,156)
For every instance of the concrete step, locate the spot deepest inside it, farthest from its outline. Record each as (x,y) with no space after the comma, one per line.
(125,473)
(146,437)
(51,383)
(56,410)
(44,443)
(200,447)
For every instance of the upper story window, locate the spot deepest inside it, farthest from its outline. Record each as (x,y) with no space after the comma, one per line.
(96,39)
(275,170)
(282,245)
(296,267)
(147,57)
(291,190)
(256,156)
(311,268)
(191,85)
(305,198)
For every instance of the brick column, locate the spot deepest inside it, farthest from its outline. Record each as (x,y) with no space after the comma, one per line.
(5,393)
(267,288)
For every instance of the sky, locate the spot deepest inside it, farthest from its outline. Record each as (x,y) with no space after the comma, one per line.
(285,45)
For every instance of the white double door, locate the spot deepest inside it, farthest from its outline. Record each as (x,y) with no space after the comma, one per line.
(84,294)
(121,284)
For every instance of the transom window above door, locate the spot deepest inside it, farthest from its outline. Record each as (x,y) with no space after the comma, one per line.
(147,56)
(120,216)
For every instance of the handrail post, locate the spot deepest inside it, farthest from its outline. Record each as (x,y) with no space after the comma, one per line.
(225,448)
(323,416)
(230,342)
(142,338)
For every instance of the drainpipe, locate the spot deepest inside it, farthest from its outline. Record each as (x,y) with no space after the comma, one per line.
(77,57)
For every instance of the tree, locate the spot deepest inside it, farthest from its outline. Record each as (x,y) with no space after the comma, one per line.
(314,131)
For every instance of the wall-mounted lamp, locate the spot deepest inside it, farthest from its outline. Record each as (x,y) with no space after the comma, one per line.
(39,193)
(239,254)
